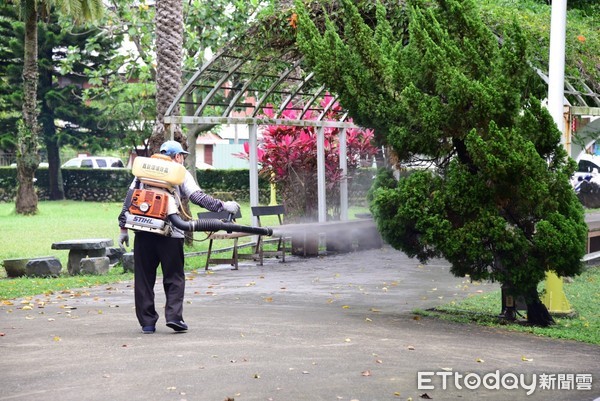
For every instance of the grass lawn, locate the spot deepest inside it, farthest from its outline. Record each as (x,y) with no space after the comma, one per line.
(32,236)
(583,295)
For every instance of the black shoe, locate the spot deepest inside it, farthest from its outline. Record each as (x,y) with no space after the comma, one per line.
(177,326)
(148,329)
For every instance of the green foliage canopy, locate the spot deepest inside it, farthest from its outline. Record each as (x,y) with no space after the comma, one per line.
(498,204)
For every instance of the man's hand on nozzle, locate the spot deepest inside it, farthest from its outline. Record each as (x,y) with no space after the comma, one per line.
(231,207)
(124,238)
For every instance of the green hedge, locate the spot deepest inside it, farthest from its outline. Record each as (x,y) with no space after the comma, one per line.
(100,185)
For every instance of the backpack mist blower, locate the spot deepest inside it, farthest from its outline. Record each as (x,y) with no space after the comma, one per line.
(153,208)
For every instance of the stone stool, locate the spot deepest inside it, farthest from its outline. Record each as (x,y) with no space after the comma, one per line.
(115,254)
(97,265)
(15,267)
(43,267)
(128,265)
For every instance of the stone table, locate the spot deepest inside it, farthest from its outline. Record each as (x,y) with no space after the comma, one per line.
(82,248)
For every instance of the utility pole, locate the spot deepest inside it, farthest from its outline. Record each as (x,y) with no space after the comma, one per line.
(554,298)
(556,65)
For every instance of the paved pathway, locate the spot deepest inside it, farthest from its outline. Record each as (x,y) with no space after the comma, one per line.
(333,328)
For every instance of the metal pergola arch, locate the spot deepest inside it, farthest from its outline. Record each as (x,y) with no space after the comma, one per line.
(219,92)
(241,86)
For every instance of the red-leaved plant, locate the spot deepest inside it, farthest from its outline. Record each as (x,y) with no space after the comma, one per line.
(288,158)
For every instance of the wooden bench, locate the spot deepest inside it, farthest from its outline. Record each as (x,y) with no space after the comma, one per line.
(264,211)
(235,255)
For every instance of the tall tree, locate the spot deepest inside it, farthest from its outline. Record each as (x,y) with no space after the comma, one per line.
(497,203)
(28,131)
(169,56)
(67,55)
(9,111)
(209,26)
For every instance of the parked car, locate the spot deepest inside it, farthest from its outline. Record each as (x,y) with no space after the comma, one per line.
(588,169)
(94,162)
(41,165)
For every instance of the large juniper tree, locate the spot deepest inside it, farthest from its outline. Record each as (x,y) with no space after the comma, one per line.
(496,203)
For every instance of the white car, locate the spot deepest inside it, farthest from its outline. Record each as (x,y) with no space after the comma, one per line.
(94,162)
(588,169)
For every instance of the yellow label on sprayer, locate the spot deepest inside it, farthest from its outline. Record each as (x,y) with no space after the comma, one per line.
(158,171)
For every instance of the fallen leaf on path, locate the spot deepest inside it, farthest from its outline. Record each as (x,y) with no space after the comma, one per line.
(525,359)
(345,307)
(411,348)
(57,338)
(366,373)
(479,360)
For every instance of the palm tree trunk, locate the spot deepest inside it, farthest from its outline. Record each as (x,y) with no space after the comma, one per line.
(28,133)
(169,47)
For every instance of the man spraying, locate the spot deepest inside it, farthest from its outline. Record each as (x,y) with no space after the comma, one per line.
(151,209)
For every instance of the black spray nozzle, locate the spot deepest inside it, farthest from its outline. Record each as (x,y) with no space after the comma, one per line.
(213,225)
